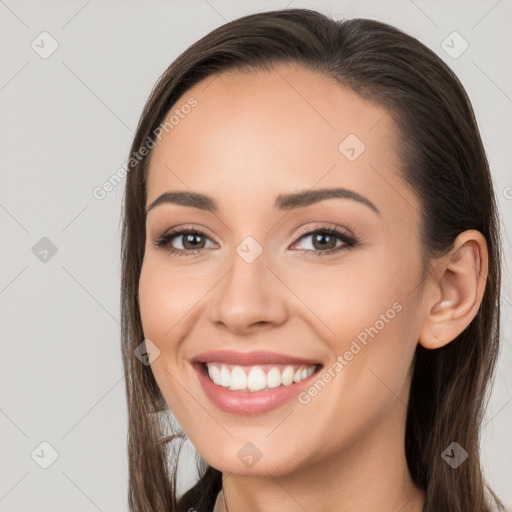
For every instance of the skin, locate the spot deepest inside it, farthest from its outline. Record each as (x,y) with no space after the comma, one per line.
(251,137)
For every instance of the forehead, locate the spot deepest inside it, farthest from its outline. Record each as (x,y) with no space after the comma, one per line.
(254,134)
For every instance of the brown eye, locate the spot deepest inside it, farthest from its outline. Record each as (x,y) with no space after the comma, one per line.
(183,242)
(322,241)
(325,240)
(192,241)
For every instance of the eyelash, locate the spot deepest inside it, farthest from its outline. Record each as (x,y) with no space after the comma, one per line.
(349,241)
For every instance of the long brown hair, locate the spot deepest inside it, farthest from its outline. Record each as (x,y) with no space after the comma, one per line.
(443,160)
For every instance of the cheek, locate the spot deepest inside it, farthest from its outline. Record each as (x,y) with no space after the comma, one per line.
(368,384)
(369,316)
(360,297)
(166,295)
(161,310)
(169,304)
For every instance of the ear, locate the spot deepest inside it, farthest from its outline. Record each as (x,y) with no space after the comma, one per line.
(454,290)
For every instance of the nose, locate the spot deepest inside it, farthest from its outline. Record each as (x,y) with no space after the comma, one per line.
(249,297)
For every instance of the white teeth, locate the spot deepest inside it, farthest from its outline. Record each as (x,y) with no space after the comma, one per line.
(273,378)
(287,376)
(225,377)
(238,379)
(214,374)
(254,378)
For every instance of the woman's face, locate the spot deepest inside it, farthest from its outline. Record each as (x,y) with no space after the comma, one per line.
(255,279)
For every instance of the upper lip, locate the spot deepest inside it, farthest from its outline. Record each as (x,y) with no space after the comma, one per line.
(249,358)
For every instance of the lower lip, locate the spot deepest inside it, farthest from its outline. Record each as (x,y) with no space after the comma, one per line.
(250,403)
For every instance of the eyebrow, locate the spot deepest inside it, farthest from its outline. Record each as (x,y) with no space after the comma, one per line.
(283,202)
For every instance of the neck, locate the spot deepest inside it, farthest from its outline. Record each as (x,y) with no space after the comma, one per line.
(370,473)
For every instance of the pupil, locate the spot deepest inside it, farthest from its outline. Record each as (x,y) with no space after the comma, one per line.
(190,239)
(322,245)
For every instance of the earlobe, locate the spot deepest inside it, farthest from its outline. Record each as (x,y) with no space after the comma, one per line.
(455,289)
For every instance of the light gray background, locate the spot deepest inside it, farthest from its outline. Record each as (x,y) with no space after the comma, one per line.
(67,125)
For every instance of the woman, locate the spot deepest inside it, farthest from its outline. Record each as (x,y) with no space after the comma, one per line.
(311,270)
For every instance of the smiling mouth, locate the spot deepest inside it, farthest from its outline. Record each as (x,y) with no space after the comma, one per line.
(254,378)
